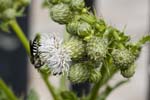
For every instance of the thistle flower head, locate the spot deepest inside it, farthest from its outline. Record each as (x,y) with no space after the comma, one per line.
(53,54)
(97,48)
(84,29)
(75,47)
(123,58)
(72,27)
(61,13)
(79,73)
(129,72)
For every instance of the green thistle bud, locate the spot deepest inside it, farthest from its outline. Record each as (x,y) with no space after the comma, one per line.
(84,29)
(61,13)
(97,48)
(4,4)
(122,58)
(95,75)
(8,14)
(75,47)
(127,73)
(72,27)
(79,73)
(77,4)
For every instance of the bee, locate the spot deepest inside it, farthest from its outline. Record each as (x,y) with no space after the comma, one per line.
(35,54)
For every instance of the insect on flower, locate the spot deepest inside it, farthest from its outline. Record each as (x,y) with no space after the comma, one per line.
(47,49)
(35,58)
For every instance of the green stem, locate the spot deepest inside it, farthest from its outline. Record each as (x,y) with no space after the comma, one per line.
(20,35)
(7,91)
(62,85)
(99,84)
(50,87)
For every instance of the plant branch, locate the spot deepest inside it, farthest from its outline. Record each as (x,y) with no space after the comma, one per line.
(50,87)
(7,91)
(99,84)
(20,35)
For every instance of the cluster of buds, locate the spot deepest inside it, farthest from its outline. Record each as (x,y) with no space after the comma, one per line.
(10,9)
(93,45)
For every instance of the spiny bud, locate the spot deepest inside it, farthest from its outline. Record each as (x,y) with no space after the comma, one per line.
(61,13)
(75,47)
(72,27)
(8,14)
(84,29)
(77,4)
(97,48)
(95,75)
(79,73)
(122,58)
(129,72)
(4,4)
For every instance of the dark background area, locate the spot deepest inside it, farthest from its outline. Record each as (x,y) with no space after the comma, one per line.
(13,63)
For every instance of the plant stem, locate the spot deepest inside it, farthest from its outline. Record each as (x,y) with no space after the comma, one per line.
(7,91)
(50,87)
(20,35)
(99,84)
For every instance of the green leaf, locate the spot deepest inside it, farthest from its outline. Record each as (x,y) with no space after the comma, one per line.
(6,91)
(32,95)
(68,95)
(143,40)
(3,96)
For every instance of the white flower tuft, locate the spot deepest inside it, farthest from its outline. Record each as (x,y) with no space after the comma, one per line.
(53,54)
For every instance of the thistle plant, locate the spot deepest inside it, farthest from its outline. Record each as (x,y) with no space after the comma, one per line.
(93,52)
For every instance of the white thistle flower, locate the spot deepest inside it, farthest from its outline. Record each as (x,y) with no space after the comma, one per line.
(53,54)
